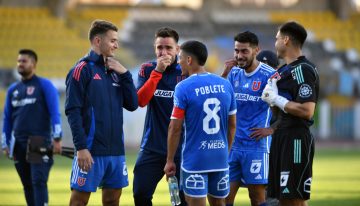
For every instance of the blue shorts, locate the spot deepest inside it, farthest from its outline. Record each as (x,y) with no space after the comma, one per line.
(215,184)
(106,172)
(249,167)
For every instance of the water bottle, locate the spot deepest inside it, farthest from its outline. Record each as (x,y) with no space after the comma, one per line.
(174,191)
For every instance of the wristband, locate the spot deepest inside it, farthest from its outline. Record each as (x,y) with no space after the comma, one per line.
(281,102)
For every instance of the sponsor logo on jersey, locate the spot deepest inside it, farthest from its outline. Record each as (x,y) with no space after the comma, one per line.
(195,181)
(246,97)
(255,166)
(256,85)
(305,91)
(286,190)
(284,178)
(164,93)
(97,76)
(30,90)
(212,144)
(23,102)
(81,181)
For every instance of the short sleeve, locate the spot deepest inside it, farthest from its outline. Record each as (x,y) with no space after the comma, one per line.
(305,77)
(180,97)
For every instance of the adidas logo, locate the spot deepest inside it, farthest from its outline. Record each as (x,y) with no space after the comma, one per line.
(97,76)
(258,177)
(286,190)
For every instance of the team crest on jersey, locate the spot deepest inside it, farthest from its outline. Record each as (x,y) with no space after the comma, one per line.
(256,85)
(81,181)
(305,91)
(114,77)
(30,90)
(276,75)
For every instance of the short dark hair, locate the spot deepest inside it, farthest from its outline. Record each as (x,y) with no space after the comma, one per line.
(247,37)
(167,32)
(100,27)
(295,31)
(30,53)
(197,50)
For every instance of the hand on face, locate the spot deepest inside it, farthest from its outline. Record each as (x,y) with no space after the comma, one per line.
(163,62)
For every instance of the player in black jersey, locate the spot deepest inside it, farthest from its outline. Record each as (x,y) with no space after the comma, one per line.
(294,90)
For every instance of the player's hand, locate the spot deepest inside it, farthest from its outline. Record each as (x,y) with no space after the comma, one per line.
(162,63)
(85,160)
(57,147)
(170,169)
(113,64)
(270,92)
(6,151)
(230,63)
(259,133)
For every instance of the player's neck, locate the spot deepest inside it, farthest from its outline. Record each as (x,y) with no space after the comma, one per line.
(292,55)
(198,70)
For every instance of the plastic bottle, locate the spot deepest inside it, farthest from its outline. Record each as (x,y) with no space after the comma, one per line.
(174,191)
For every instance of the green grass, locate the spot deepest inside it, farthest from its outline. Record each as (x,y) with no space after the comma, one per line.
(336,181)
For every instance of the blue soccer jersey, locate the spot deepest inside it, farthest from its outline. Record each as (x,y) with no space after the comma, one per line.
(252,111)
(207,100)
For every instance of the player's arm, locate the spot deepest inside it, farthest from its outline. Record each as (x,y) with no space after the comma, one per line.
(259,133)
(174,135)
(231,130)
(76,82)
(7,123)
(52,102)
(147,85)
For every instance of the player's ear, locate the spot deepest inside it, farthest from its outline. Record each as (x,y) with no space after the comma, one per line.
(286,40)
(189,60)
(177,49)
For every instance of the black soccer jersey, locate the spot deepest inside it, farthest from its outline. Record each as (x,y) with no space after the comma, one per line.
(299,83)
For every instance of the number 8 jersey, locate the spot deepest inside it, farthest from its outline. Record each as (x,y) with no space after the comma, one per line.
(207,100)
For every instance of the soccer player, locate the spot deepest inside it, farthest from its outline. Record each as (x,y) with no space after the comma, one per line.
(32,126)
(268,57)
(97,90)
(249,154)
(205,102)
(295,92)
(156,84)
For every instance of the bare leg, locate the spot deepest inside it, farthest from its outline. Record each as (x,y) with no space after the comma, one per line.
(79,198)
(234,187)
(256,194)
(194,201)
(111,197)
(293,202)
(216,201)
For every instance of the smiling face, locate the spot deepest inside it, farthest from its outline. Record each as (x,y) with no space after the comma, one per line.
(166,46)
(25,65)
(107,43)
(245,54)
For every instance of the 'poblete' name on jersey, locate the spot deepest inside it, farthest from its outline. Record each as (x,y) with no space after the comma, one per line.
(210,89)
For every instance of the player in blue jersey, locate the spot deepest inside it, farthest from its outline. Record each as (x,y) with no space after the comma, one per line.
(205,103)
(97,90)
(157,81)
(294,93)
(32,128)
(249,156)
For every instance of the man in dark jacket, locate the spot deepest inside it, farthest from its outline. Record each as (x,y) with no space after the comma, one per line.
(97,90)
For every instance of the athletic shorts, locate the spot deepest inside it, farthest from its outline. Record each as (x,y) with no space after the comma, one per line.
(249,167)
(106,172)
(291,159)
(200,185)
